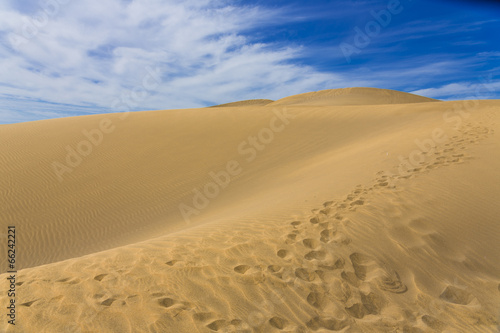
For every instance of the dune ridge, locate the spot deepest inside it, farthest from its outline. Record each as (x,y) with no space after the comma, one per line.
(353,96)
(370,218)
(249,102)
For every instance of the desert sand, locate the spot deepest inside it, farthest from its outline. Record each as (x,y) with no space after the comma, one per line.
(348,210)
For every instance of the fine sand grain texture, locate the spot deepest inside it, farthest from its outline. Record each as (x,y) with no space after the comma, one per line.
(321,212)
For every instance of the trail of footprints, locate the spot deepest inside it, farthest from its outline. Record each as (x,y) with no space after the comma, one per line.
(319,268)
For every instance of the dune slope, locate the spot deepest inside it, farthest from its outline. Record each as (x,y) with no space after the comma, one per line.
(373,218)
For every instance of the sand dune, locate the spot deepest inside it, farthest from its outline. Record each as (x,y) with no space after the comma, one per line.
(250,102)
(276,218)
(353,96)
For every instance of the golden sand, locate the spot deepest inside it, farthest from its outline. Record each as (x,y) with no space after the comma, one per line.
(350,210)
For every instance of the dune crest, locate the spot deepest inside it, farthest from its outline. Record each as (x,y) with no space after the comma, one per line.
(249,102)
(353,96)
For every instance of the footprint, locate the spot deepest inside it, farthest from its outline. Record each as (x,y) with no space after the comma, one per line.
(63,280)
(166,302)
(350,278)
(99,277)
(314,220)
(338,264)
(296,223)
(203,316)
(282,253)
(217,325)
(157,294)
(319,255)
(28,304)
(327,323)
(108,302)
(327,234)
(241,269)
(372,303)
(433,322)
(328,203)
(278,322)
(274,268)
(171,262)
(315,299)
(393,284)
(358,202)
(358,263)
(292,236)
(304,274)
(311,243)
(325,211)
(357,310)
(456,295)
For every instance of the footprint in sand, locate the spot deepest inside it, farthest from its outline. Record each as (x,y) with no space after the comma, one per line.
(203,316)
(315,220)
(337,263)
(359,262)
(350,278)
(166,302)
(276,270)
(311,243)
(433,323)
(100,277)
(28,304)
(358,202)
(392,283)
(282,253)
(218,325)
(278,322)
(371,303)
(291,238)
(331,324)
(241,269)
(108,301)
(327,234)
(171,262)
(456,295)
(249,275)
(305,274)
(316,300)
(318,255)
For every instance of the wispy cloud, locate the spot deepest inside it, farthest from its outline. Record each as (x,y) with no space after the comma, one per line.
(483,88)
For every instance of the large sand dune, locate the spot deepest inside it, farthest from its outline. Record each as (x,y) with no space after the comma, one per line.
(296,216)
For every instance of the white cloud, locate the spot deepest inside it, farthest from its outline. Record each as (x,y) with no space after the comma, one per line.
(95,51)
(483,88)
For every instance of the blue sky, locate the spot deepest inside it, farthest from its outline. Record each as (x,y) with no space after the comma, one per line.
(63,58)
